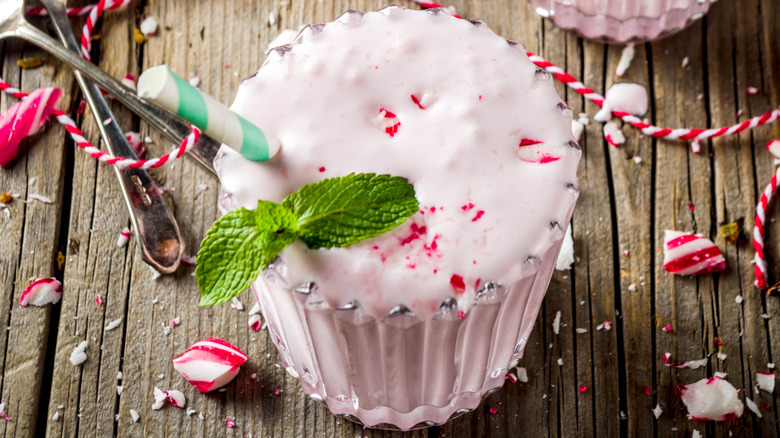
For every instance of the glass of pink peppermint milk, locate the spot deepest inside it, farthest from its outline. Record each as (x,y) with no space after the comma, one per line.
(417,325)
(622,21)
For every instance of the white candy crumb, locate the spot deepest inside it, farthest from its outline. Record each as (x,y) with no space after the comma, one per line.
(56,416)
(766,381)
(738,299)
(161,376)
(637,159)
(119,389)
(124,237)
(581,330)
(255,309)
(522,374)
(159,399)
(627,97)
(135,415)
(685,62)
(203,187)
(107,121)
(560,362)
(201,417)
(148,26)
(566,255)
(190,411)
(613,134)
(721,356)
(113,324)
(148,139)
(720,374)
(155,274)
(272,18)
(765,316)
(166,329)
(625,60)
(79,355)
(696,434)
(236,304)
(576,129)
(632,287)
(751,91)
(770,365)
(194,81)
(657,411)
(36,197)
(753,407)
(119,375)
(556,325)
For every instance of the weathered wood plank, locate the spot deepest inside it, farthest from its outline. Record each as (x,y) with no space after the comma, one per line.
(30,251)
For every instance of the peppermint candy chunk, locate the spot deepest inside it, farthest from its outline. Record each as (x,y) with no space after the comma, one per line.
(712,399)
(209,364)
(691,254)
(766,381)
(41,292)
(24,119)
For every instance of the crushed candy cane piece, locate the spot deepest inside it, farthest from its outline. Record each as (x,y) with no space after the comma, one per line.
(522,374)
(99,300)
(566,255)
(134,414)
(691,254)
(606,325)
(41,292)
(236,304)
(31,62)
(124,237)
(159,399)
(119,389)
(766,381)
(666,357)
(3,415)
(560,362)
(692,364)
(138,146)
(229,422)
(625,98)
(753,407)
(695,433)
(581,330)
(79,354)
(685,62)
(751,91)
(712,399)
(129,81)
(667,328)
(774,147)
(625,60)
(511,377)
(188,260)
(255,322)
(533,151)
(24,119)
(738,299)
(113,324)
(556,325)
(424,100)
(255,309)
(209,364)
(194,81)
(582,388)
(175,321)
(176,398)
(657,411)
(613,134)
(148,26)
(56,416)
(770,365)
(721,356)
(386,122)
(190,411)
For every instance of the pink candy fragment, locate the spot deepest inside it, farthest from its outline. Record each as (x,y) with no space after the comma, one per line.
(209,364)
(41,292)
(691,254)
(387,122)
(712,399)
(24,119)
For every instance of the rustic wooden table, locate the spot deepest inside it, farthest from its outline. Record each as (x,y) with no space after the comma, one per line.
(625,206)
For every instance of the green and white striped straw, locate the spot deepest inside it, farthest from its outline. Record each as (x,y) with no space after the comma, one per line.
(160,85)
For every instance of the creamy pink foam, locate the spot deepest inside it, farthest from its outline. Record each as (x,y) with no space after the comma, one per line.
(445,103)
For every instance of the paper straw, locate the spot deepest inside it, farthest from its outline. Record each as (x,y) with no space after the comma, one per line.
(160,85)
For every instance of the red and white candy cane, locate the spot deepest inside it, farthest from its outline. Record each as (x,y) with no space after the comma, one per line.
(758,232)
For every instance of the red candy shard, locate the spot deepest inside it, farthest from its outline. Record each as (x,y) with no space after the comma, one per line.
(457,283)
(24,119)
(689,254)
(530,151)
(387,122)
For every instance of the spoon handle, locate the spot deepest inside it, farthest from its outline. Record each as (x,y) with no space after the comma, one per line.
(156,230)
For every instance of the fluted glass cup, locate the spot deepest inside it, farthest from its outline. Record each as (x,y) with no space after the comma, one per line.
(622,21)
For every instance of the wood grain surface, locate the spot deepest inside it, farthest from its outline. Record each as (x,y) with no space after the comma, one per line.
(609,380)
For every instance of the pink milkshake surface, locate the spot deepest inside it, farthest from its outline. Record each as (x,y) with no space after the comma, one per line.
(414,326)
(622,21)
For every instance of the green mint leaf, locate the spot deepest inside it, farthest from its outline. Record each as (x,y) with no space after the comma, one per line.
(238,247)
(342,211)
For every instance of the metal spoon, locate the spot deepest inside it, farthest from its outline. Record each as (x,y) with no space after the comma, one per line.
(13,25)
(156,231)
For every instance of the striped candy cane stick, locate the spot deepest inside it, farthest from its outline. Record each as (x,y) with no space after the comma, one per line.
(160,85)
(24,119)
(758,232)
(92,18)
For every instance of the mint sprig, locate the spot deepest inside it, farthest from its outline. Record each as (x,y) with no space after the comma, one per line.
(334,212)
